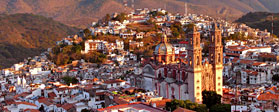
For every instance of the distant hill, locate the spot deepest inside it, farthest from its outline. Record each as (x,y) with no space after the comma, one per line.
(261,20)
(24,35)
(83,12)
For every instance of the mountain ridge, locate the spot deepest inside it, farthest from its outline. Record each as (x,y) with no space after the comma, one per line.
(27,35)
(82,12)
(261,20)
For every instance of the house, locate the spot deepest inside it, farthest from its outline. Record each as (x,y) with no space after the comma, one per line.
(241,51)
(268,57)
(65,108)
(114,83)
(18,106)
(140,35)
(239,108)
(46,103)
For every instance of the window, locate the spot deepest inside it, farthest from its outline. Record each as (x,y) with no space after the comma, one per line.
(219,57)
(190,61)
(197,42)
(174,74)
(198,60)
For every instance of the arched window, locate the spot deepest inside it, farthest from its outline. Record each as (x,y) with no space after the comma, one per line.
(166,72)
(183,76)
(219,57)
(174,74)
(190,61)
(198,60)
(197,41)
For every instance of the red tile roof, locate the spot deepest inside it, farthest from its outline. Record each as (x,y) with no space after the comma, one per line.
(161,103)
(51,95)
(45,101)
(22,95)
(114,81)
(258,63)
(67,106)
(31,110)
(235,60)
(232,54)
(120,101)
(268,55)
(246,61)
(251,72)
(26,103)
(268,97)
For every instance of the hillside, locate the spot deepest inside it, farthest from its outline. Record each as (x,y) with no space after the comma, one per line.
(24,35)
(82,12)
(261,20)
(72,12)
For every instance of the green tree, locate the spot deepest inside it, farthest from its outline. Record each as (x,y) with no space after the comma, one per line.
(174,104)
(107,18)
(189,27)
(275,78)
(95,57)
(86,32)
(120,17)
(68,80)
(210,98)
(42,108)
(76,48)
(85,110)
(220,108)
(177,29)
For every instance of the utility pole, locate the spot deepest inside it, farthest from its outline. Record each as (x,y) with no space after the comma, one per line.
(272,24)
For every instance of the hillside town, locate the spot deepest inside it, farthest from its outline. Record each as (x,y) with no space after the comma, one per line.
(140,61)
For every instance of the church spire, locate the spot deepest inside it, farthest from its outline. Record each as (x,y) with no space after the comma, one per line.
(164,38)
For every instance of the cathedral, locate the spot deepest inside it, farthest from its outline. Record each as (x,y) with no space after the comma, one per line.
(175,78)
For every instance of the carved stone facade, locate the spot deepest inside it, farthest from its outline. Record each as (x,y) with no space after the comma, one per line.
(186,80)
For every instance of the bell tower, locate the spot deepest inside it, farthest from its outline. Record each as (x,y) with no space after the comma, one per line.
(216,57)
(194,50)
(194,60)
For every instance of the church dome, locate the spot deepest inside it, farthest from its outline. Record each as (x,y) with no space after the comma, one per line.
(164,47)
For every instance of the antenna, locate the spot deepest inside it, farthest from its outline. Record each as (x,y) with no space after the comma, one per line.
(272,24)
(132,5)
(125,5)
(186,11)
